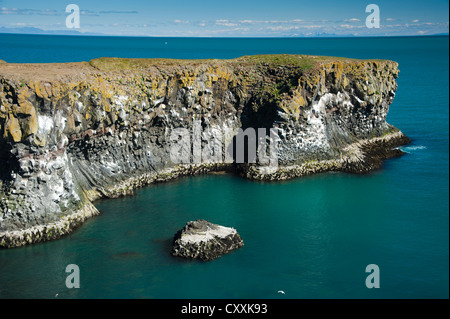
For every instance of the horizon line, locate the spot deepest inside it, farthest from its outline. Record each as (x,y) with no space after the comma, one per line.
(228,37)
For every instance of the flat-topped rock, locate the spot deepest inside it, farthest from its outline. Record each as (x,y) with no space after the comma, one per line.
(203,240)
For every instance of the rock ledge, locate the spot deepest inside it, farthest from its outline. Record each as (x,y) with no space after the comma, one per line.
(203,240)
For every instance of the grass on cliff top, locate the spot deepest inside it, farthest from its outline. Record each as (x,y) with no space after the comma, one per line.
(305,62)
(110,64)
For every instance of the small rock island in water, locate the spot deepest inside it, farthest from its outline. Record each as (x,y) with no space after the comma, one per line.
(203,240)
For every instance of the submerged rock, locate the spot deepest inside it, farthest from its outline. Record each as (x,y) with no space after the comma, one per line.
(203,240)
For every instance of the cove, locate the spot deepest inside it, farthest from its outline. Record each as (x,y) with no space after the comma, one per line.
(310,237)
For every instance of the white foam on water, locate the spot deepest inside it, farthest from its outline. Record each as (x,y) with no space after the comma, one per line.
(409,149)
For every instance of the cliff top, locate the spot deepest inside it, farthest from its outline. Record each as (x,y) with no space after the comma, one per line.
(57,71)
(101,89)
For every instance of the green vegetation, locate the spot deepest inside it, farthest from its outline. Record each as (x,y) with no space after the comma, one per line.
(274,91)
(305,62)
(111,64)
(275,60)
(390,130)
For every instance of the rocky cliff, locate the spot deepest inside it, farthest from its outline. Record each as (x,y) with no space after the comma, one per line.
(71,133)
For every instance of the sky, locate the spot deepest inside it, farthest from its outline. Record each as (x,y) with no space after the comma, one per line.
(228,18)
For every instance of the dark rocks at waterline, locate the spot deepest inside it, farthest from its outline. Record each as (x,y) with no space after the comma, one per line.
(203,240)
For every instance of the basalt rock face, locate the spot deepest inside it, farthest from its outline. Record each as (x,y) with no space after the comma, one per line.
(203,240)
(75,132)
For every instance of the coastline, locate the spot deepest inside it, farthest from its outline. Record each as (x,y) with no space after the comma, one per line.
(368,155)
(77,132)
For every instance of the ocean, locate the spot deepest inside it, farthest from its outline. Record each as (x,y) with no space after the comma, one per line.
(310,237)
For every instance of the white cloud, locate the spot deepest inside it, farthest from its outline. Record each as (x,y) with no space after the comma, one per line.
(348,26)
(60,12)
(119,12)
(250,21)
(181,21)
(226,23)
(281,28)
(312,26)
(294,21)
(415,21)
(353,20)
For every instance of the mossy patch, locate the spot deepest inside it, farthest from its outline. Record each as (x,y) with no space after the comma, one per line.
(305,62)
(114,64)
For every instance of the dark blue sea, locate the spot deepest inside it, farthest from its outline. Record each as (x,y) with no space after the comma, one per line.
(310,237)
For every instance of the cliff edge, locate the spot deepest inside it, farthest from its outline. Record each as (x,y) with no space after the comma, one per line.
(71,133)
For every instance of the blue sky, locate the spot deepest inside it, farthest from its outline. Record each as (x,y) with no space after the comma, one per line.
(241,18)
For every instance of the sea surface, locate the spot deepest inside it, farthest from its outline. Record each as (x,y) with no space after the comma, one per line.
(310,237)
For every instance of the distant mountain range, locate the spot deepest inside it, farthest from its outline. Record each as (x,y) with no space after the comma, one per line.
(33,30)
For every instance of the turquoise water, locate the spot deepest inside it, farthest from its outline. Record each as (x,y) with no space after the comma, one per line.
(310,237)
